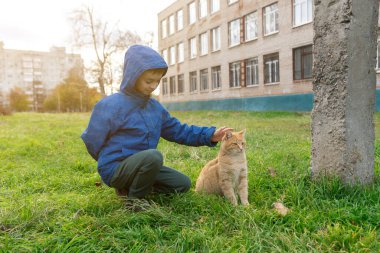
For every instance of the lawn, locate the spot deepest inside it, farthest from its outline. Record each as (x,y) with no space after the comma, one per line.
(51,199)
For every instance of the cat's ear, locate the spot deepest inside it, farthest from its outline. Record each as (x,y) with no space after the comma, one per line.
(242,132)
(227,135)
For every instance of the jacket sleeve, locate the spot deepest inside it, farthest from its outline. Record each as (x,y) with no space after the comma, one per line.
(173,130)
(97,132)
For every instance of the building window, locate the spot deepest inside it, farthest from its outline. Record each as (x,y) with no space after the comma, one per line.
(181,53)
(181,83)
(28,77)
(216,77)
(193,81)
(179,20)
(215,6)
(171,24)
(251,71)
(193,48)
(302,12)
(302,62)
(271,68)
(215,39)
(192,13)
(235,74)
(270,19)
(231,1)
(202,8)
(165,55)
(172,55)
(164,85)
(204,43)
(172,85)
(234,32)
(250,26)
(164,28)
(204,79)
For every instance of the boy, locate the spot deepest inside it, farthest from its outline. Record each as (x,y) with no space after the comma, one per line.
(125,128)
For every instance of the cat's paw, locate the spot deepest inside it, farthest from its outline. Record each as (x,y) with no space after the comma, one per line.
(234,202)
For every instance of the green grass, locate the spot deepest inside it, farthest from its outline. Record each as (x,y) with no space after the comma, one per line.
(49,201)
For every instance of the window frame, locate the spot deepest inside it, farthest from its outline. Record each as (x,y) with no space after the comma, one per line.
(172,55)
(172,83)
(276,19)
(302,57)
(171,24)
(215,35)
(230,34)
(202,9)
(255,20)
(164,28)
(256,72)
(164,84)
(193,76)
(180,52)
(165,55)
(203,76)
(212,2)
(277,70)
(203,44)
(182,90)
(309,4)
(233,76)
(193,52)
(180,20)
(218,78)
(192,13)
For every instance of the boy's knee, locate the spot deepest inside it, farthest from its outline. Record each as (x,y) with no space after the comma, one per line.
(154,157)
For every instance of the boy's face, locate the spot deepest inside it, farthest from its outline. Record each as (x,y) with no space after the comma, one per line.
(148,81)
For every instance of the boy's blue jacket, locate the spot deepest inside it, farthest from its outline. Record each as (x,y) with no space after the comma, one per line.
(128,122)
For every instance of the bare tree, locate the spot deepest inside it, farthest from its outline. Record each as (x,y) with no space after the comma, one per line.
(104,40)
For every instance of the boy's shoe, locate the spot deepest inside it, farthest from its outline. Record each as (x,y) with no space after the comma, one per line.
(121,192)
(137,205)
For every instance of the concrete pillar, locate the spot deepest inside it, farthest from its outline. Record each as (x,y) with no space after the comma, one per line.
(345,39)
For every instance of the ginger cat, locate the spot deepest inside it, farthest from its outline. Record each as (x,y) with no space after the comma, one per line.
(227,174)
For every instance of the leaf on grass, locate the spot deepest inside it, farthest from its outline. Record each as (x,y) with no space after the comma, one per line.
(280,208)
(98,184)
(272,172)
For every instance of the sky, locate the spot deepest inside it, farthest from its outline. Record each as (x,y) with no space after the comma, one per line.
(39,24)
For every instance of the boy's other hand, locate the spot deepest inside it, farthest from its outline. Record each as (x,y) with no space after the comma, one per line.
(219,133)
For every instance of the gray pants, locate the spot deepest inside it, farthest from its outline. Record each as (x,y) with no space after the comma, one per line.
(144,172)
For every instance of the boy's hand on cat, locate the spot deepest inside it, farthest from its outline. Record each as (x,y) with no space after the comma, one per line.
(219,133)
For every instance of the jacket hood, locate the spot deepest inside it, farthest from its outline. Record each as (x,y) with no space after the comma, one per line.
(138,59)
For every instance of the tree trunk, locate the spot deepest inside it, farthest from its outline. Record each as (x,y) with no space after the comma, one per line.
(101,86)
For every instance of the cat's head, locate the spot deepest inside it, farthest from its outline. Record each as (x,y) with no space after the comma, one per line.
(234,142)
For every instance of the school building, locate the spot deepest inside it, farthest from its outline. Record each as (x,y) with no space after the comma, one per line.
(237,55)
(36,73)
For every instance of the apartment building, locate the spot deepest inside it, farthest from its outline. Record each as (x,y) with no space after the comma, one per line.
(37,73)
(237,54)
